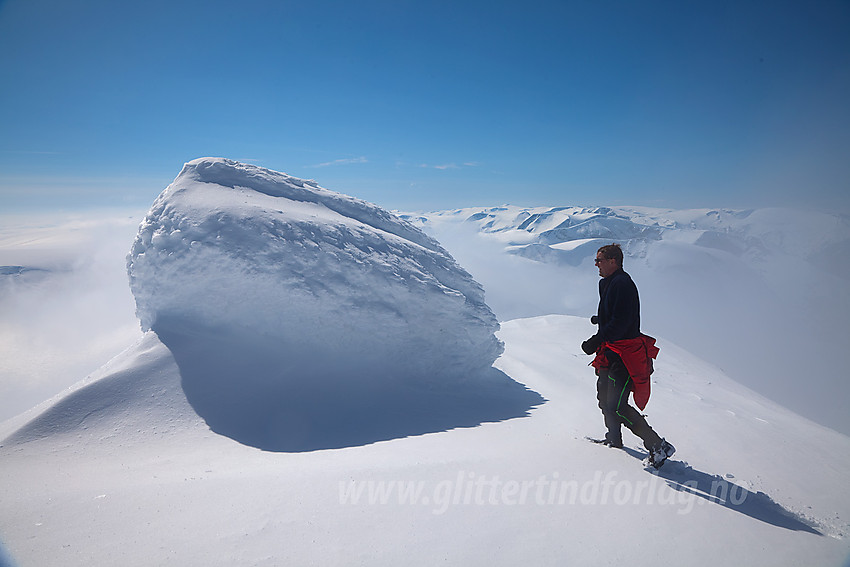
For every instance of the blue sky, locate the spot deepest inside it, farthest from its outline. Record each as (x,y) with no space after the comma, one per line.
(431,104)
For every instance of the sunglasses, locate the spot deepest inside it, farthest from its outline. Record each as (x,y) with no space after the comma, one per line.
(597,260)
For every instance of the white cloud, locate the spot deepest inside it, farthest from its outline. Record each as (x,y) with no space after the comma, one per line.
(450,165)
(344,161)
(70,310)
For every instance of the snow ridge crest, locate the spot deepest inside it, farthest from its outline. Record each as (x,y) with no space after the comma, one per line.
(233,174)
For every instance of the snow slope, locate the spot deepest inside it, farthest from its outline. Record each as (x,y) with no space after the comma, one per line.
(136,478)
(221,437)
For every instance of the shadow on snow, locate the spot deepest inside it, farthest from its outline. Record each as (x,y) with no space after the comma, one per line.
(262,396)
(718,490)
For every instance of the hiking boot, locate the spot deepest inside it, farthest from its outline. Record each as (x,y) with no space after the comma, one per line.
(613,442)
(658,455)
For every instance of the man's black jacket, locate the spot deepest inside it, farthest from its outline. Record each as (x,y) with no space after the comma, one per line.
(618,312)
(619,308)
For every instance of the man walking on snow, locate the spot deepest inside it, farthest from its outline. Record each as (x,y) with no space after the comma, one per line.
(623,357)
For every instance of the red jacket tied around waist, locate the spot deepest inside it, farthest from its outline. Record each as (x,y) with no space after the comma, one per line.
(637,355)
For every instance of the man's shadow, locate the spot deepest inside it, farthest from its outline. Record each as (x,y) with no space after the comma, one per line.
(718,490)
(256,393)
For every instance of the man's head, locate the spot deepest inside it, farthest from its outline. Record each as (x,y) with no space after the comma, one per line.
(609,259)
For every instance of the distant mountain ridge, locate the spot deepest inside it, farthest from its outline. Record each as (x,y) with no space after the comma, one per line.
(753,234)
(763,293)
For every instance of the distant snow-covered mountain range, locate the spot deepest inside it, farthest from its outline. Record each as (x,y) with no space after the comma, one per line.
(763,293)
(566,235)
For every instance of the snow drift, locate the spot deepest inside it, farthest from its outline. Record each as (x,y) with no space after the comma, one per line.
(233,246)
(291,308)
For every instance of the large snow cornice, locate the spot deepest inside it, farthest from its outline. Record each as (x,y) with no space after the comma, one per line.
(230,246)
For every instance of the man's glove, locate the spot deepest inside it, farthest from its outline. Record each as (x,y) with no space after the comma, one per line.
(592,344)
(594,320)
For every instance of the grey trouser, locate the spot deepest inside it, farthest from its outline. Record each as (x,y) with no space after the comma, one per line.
(612,390)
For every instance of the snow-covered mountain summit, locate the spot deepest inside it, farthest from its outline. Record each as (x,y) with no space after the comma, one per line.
(297,315)
(230,246)
(245,428)
(229,243)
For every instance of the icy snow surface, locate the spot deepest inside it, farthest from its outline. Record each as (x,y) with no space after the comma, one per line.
(294,310)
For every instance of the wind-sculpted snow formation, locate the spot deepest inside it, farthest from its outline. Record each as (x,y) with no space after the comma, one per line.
(233,247)
(289,307)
